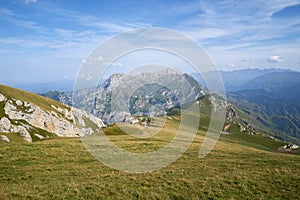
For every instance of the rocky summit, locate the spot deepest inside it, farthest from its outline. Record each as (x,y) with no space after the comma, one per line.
(139,94)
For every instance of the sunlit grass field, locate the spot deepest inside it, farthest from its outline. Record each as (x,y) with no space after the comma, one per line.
(62,168)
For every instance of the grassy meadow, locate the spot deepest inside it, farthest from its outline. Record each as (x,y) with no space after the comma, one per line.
(62,168)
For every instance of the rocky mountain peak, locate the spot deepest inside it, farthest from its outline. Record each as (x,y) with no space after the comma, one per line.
(139,93)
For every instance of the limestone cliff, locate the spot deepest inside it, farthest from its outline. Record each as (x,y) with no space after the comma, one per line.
(34,122)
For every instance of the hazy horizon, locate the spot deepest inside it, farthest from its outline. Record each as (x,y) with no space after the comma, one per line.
(66,85)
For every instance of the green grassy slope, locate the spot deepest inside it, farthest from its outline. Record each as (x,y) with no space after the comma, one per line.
(261,141)
(63,169)
(43,102)
(240,166)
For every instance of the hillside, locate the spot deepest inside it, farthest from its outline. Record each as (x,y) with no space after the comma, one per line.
(33,117)
(273,100)
(278,116)
(269,99)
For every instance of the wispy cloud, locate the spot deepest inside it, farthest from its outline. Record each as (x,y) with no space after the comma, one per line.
(235,19)
(88,32)
(232,31)
(18,20)
(6,12)
(100,24)
(30,1)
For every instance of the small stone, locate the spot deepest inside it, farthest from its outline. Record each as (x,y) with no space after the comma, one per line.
(39,136)
(19,103)
(4,138)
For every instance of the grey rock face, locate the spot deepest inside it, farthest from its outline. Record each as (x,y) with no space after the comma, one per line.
(63,97)
(217,104)
(12,111)
(142,94)
(5,125)
(67,122)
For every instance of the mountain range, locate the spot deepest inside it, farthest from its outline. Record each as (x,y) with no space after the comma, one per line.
(267,98)
(142,94)
(243,79)
(266,101)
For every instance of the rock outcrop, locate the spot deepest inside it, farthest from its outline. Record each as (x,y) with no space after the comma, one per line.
(28,119)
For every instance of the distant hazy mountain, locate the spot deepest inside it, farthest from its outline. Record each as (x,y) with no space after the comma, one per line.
(276,114)
(238,79)
(63,86)
(63,97)
(273,83)
(273,80)
(272,99)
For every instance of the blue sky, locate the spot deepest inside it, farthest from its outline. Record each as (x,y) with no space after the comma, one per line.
(47,40)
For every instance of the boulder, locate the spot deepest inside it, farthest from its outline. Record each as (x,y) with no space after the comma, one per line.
(19,103)
(5,125)
(23,132)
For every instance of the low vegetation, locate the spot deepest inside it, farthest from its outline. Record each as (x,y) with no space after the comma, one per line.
(43,102)
(62,168)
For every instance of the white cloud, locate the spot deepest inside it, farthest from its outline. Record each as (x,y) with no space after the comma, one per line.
(275,59)
(206,33)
